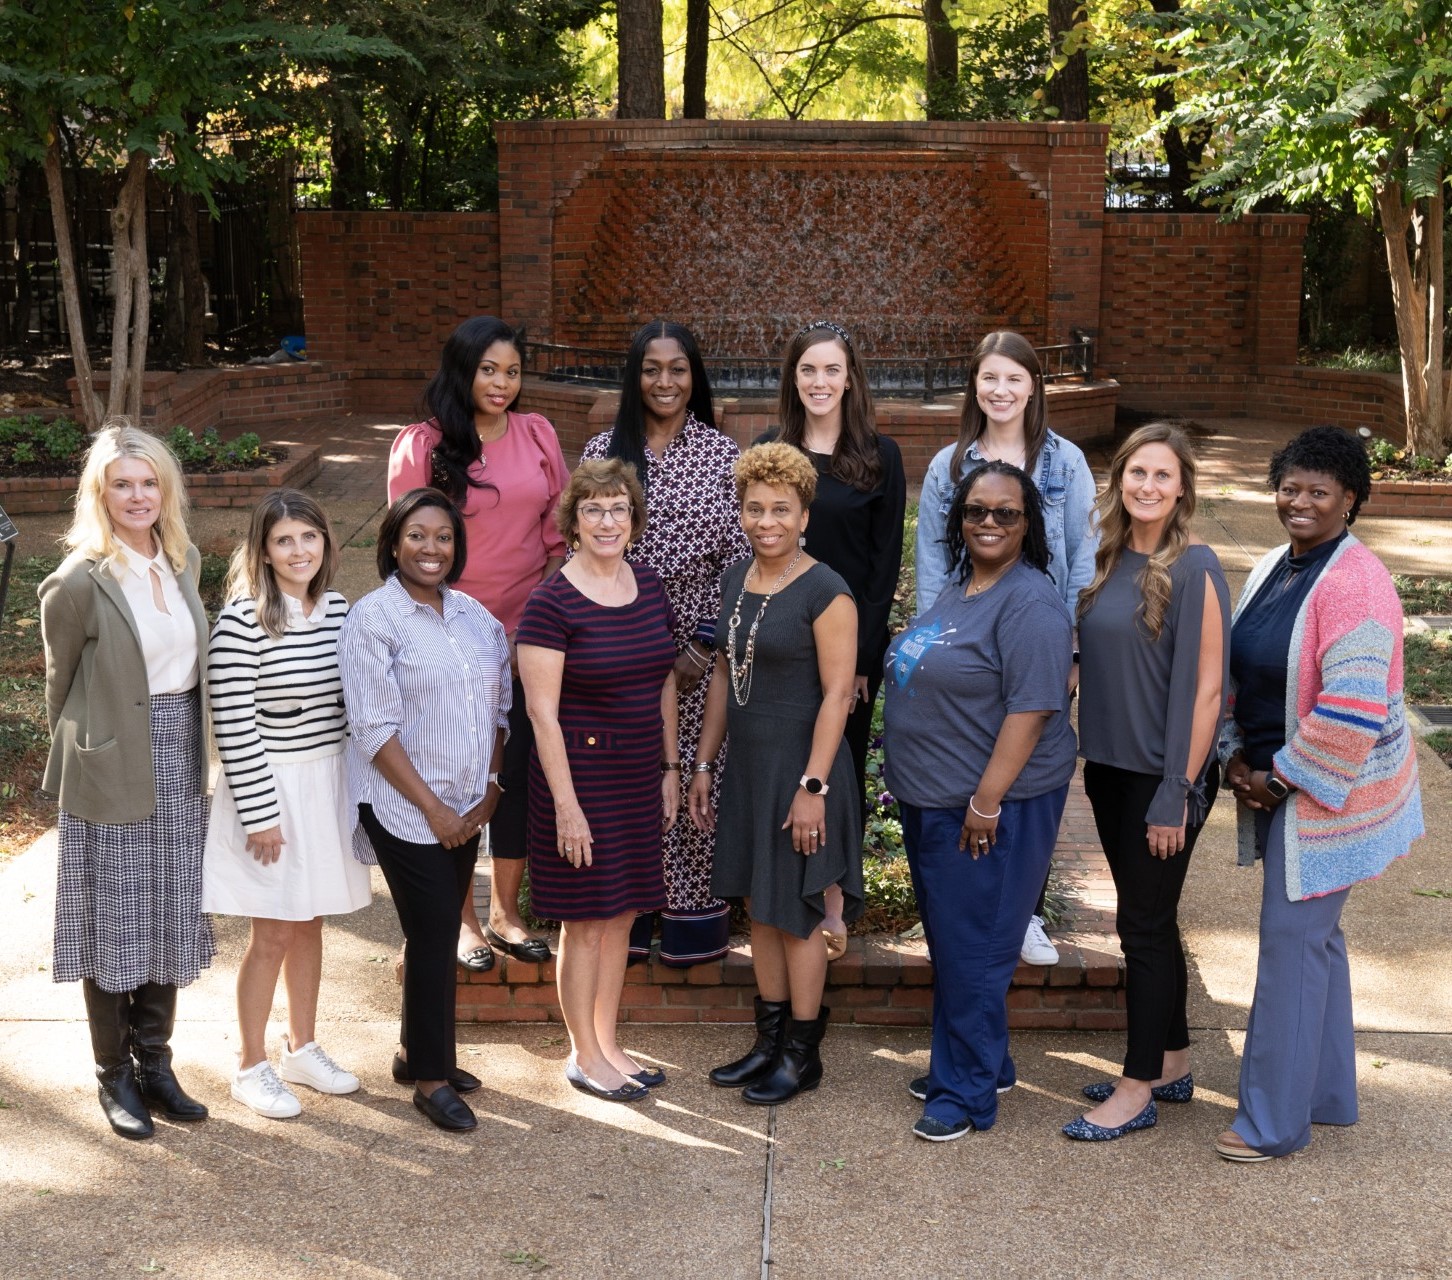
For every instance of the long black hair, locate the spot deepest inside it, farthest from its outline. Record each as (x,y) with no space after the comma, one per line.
(1035,551)
(627,438)
(450,400)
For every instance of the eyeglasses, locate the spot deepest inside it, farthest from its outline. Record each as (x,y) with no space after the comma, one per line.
(620,513)
(1003,517)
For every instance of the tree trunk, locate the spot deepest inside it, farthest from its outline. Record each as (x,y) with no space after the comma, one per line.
(942,65)
(70,288)
(1417,287)
(698,54)
(349,155)
(193,286)
(641,60)
(1069,85)
(131,311)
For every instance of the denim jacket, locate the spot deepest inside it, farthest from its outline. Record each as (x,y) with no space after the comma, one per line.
(1065,484)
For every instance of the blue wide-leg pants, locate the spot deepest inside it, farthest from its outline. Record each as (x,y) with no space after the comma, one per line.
(1299,1066)
(974,913)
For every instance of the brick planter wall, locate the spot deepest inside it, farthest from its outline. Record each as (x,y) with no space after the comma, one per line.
(234,397)
(878,982)
(1409,498)
(47,494)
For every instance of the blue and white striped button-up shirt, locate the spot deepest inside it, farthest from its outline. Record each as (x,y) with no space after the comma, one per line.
(440,684)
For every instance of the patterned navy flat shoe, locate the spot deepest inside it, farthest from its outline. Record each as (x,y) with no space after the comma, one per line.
(1181,1090)
(1082,1130)
(648,1077)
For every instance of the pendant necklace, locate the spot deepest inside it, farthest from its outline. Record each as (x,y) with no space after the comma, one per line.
(741,671)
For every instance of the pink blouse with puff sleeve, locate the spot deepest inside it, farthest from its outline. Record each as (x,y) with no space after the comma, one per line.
(510,522)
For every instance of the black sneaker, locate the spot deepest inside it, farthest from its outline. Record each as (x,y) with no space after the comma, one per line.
(931,1130)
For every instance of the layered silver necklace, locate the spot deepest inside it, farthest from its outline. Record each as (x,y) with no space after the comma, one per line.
(741,670)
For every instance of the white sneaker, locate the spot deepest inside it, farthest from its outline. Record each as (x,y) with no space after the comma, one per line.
(259,1088)
(312,1067)
(1037,949)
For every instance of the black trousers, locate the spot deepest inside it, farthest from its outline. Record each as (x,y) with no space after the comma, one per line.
(428,884)
(858,736)
(1148,917)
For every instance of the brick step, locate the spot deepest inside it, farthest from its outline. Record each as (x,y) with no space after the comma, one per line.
(879,982)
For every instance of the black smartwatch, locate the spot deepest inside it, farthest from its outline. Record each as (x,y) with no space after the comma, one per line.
(813,786)
(1275,786)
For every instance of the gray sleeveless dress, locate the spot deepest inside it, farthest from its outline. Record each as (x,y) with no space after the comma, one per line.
(771,740)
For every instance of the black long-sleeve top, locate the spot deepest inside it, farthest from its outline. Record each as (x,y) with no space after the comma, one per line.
(859,534)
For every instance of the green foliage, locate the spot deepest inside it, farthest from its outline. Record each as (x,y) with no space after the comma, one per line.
(1424,595)
(142,77)
(208,451)
(1320,98)
(421,135)
(1427,660)
(31,440)
(1357,356)
(1004,56)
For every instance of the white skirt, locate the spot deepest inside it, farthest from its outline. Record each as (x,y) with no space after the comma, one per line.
(316,875)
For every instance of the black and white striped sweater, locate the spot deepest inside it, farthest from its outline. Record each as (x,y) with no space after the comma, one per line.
(274,700)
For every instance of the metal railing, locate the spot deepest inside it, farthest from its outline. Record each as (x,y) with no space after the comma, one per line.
(924,377)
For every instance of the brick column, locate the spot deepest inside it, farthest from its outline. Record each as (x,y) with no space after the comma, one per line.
(1076,228)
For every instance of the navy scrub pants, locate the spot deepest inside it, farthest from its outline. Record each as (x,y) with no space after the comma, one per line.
(1299,1066)
(974,912)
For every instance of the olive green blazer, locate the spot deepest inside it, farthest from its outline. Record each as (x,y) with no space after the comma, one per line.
(96,695)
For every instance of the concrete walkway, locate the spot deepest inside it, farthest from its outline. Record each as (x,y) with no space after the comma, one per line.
(695,1183)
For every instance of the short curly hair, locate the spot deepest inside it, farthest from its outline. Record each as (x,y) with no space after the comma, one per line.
(1332,452)
(782,466)
(600,478)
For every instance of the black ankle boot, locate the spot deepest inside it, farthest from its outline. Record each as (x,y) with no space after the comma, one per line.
(798,1065)
(771,1017)
(153,1014)
(109,1016)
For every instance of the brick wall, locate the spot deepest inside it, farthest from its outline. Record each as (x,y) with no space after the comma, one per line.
(237,397)
(384,290)
(771,220)
(1193,310)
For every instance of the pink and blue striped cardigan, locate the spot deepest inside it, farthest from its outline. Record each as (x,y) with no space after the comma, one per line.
(1348,751)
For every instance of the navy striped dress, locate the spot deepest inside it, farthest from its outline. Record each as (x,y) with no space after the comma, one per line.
(616,660)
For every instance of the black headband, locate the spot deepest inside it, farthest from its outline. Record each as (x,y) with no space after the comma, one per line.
(830,326)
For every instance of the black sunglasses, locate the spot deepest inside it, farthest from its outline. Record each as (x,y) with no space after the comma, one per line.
(1003,517)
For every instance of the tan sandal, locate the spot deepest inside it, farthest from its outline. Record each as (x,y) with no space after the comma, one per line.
(836,944)
(1231,1146)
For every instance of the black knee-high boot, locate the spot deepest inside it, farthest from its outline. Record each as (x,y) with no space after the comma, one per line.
(109,1015)
(153,1014)
(771,1018)
(798,1064)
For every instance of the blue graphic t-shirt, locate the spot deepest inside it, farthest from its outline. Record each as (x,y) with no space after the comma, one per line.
(962,666)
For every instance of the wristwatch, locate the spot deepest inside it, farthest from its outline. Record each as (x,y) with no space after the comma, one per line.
(493,781)
(813,786)
(1276,787)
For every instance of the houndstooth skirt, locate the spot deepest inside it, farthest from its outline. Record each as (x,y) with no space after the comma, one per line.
(128,907)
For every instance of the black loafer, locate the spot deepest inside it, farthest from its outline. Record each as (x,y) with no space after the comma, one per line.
(446,1109)
(477,959)
(459,1079)
(531,950)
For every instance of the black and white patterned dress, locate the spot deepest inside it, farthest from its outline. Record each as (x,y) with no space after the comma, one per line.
(692,532)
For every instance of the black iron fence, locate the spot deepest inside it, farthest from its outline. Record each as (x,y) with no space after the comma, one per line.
(924,377)
(1137,180)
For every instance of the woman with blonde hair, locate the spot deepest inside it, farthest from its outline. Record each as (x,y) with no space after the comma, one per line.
(790,825)
(1154,647)
(279,843)
(125,661)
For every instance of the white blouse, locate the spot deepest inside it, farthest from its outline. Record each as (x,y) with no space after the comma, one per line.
(168,636)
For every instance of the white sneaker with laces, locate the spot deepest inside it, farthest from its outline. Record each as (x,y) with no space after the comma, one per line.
(259,1088)
(1037,949)
(309,1065)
